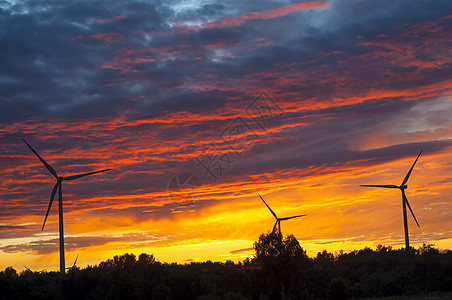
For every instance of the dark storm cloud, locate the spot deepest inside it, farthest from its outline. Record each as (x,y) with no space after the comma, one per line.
(45,71)
(55,56)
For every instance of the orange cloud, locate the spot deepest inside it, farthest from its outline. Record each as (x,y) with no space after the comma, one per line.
(107,37)
(340,215)
(260,15)
(117,18)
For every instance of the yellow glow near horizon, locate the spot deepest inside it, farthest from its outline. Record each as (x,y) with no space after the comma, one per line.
(346,216)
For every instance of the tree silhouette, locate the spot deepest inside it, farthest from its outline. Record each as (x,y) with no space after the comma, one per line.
(280,269)
(284,263)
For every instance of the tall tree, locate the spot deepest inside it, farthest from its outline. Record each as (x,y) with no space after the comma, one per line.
(283,264)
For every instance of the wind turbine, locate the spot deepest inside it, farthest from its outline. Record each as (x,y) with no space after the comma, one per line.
(58,186)
(278,220)
(41,271)
(405,202)
(73,266)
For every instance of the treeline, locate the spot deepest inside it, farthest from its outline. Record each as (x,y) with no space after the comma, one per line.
(280,269)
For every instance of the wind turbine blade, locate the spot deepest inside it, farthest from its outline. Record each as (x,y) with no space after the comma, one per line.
(83,175)
(274,227)
(50,203)
(73,266)
(49,167)
(388,186)
(408,204)
(409,172)
(288,218)
(273,213)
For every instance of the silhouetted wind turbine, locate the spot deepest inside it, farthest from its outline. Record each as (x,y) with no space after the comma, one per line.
(58,186)
(41,271)
(278,220)
(405,202)
(73,266)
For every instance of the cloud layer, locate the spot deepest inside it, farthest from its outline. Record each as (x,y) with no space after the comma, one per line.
(298,101)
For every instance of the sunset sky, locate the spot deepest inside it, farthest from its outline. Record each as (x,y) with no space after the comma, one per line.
(300,102)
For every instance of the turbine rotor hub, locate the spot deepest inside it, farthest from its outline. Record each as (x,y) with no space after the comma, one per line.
(60,178)
(402,187)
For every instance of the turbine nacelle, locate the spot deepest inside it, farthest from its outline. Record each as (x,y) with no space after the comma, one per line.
(403,187)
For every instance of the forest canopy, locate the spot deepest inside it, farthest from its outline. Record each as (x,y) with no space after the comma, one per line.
(279,269)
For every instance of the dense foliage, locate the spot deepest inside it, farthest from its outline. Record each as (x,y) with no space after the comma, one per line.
(279,269)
